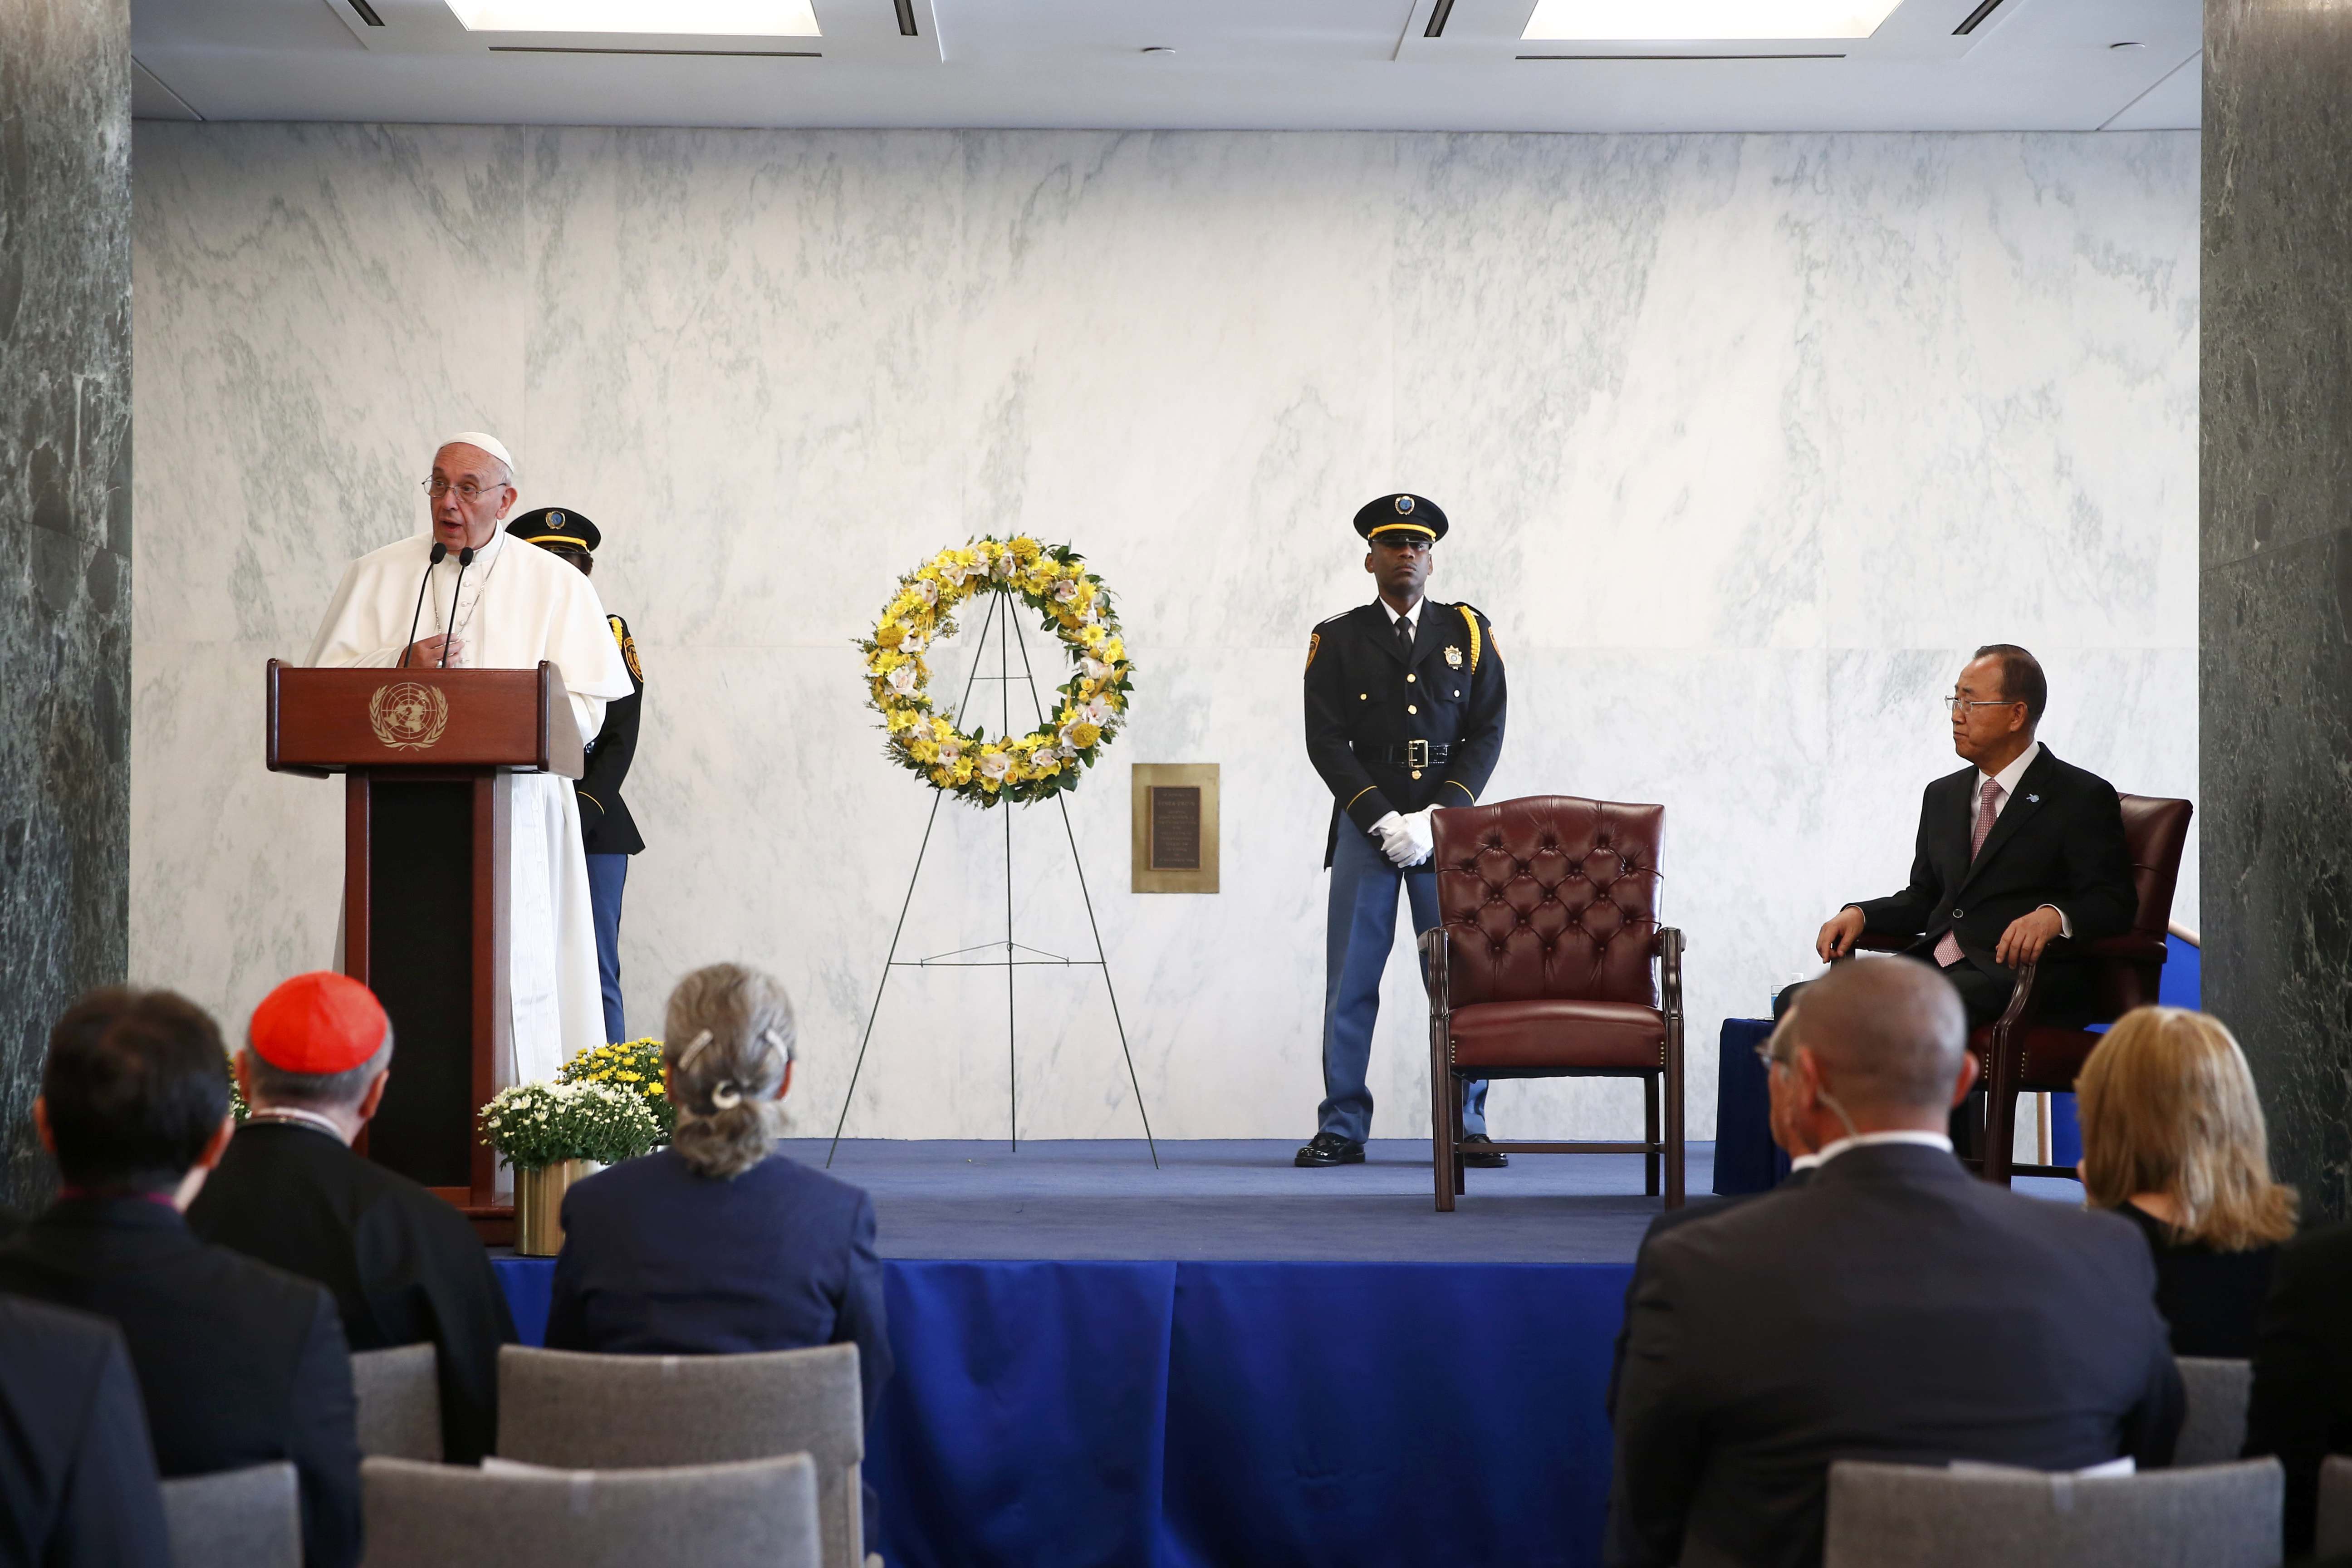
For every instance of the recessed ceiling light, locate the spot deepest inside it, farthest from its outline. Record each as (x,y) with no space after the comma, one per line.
(733,18)
(1644,20)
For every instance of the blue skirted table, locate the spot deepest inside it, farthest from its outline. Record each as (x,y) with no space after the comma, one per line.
(1167,1414)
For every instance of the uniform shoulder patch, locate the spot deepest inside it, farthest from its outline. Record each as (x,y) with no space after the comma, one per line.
(1313,642)
(628,647)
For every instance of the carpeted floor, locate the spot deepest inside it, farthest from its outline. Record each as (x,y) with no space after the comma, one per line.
(1237,1200)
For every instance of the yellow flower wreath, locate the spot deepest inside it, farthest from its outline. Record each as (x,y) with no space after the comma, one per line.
(1072,603)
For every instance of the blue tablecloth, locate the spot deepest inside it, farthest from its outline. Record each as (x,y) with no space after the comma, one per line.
(1220,1414)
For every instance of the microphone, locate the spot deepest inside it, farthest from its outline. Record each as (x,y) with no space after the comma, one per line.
(439,550)
(464,559)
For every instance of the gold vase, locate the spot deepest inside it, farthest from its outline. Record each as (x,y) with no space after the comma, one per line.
(538,1206)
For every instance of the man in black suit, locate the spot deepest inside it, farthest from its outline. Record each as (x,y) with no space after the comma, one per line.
(2301,1408)
(1892,1309)
(2021,856)
(239,1364)
(78,1486)
(406,1268)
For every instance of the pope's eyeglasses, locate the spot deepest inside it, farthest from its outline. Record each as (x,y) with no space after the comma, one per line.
(467,490)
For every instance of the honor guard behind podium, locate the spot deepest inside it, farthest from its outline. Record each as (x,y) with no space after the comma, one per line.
(1405,702)
(608,833)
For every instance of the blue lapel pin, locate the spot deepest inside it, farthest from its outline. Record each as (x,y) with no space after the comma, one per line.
(2034,800)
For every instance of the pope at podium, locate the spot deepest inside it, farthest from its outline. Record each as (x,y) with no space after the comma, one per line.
(470,595)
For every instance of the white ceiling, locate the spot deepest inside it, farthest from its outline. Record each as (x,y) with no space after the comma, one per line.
(2037,65)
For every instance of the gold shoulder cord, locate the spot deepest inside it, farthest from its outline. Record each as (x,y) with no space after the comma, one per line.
(1469,617)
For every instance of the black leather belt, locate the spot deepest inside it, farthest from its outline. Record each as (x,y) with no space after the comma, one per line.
(1413,754)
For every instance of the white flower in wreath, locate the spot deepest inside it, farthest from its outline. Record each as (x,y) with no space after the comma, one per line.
(928,589)
(1096,712)
(1095,669)
(954,572)
(902,679)
(914,642)
(1003,565)
(950,749)
(995,765)
(1066,592)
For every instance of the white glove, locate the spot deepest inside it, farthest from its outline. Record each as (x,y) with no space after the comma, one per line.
(1396,842)
(1421,835)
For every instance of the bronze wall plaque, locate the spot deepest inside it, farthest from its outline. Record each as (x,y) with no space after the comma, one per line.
(1173,808)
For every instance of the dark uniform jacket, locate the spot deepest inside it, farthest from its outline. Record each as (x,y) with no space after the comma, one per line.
(78,1486)
(239,1364)
(1367,704)
(2059,840)
(606,826)
(1893,1308)
(404,1268)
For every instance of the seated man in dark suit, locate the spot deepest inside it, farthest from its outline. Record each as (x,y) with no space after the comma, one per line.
(2021,856)
(2301,1409)
(406,1268)
(78,1486)
(1895,1308)
(238,1363)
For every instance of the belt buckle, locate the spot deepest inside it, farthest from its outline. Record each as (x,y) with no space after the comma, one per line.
(1416,753)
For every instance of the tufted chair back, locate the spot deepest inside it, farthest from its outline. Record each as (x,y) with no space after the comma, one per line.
(1550,897)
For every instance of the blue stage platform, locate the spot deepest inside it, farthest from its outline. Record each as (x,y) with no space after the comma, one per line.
(1228,1362)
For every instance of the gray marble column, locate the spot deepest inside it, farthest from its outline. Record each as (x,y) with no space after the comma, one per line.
(2275,669)
(65,504)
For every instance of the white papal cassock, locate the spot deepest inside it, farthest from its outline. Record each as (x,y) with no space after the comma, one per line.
(518,604)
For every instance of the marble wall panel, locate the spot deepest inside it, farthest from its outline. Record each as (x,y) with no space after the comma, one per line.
(65,515)
(1746,440)
(2275,532)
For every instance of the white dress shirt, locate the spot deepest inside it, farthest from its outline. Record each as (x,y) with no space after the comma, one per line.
(1866,1140)
(2007,779)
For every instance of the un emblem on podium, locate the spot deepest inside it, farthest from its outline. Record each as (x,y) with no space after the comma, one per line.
(407,716)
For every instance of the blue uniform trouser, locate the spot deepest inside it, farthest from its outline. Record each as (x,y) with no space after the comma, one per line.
(1359,934)
(607,873)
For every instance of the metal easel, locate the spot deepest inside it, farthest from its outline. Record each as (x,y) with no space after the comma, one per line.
(1016,955)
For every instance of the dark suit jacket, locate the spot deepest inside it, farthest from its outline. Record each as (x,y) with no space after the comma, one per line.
(659,1261)
(2059,840)
(1672,1219)
(405,1268)
(2302,1404)
(78,1486)
(1894,1308)
(239,1363)
(1365,696)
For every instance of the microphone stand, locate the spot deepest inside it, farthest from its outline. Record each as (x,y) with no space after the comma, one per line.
(439,550)
(464,559)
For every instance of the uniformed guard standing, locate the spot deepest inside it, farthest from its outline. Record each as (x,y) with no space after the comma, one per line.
(1405,702)
(608,835)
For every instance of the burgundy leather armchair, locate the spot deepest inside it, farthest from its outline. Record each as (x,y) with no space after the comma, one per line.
(1548,961)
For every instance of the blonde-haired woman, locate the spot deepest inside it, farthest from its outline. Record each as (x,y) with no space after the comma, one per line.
(719,1243)
(2173,1140)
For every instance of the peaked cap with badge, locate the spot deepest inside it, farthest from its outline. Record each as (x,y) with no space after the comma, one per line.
(1392,732)
(556,525)
(1402,517)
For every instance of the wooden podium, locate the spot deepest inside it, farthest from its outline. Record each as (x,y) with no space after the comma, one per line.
(425,882)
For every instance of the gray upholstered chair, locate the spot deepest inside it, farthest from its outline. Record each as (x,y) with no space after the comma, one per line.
(617,1412)
(1919,1516)
(2215,1430)
(2335,1536)
(399,1394)
(236,1519)
(761,1514)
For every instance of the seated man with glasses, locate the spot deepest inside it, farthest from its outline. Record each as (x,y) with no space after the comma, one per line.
(2021,856)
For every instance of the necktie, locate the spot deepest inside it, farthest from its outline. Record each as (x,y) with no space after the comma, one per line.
(1947,951)
(1404,636)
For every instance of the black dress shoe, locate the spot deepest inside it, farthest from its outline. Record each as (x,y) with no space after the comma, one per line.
(1331,1149)
(1486,1160)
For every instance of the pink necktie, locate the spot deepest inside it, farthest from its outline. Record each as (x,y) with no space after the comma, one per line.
(1947,949)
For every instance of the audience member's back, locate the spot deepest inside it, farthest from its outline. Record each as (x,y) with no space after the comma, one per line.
(1894,1309)
(237,1363)
(718,1243)
(78,1484)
